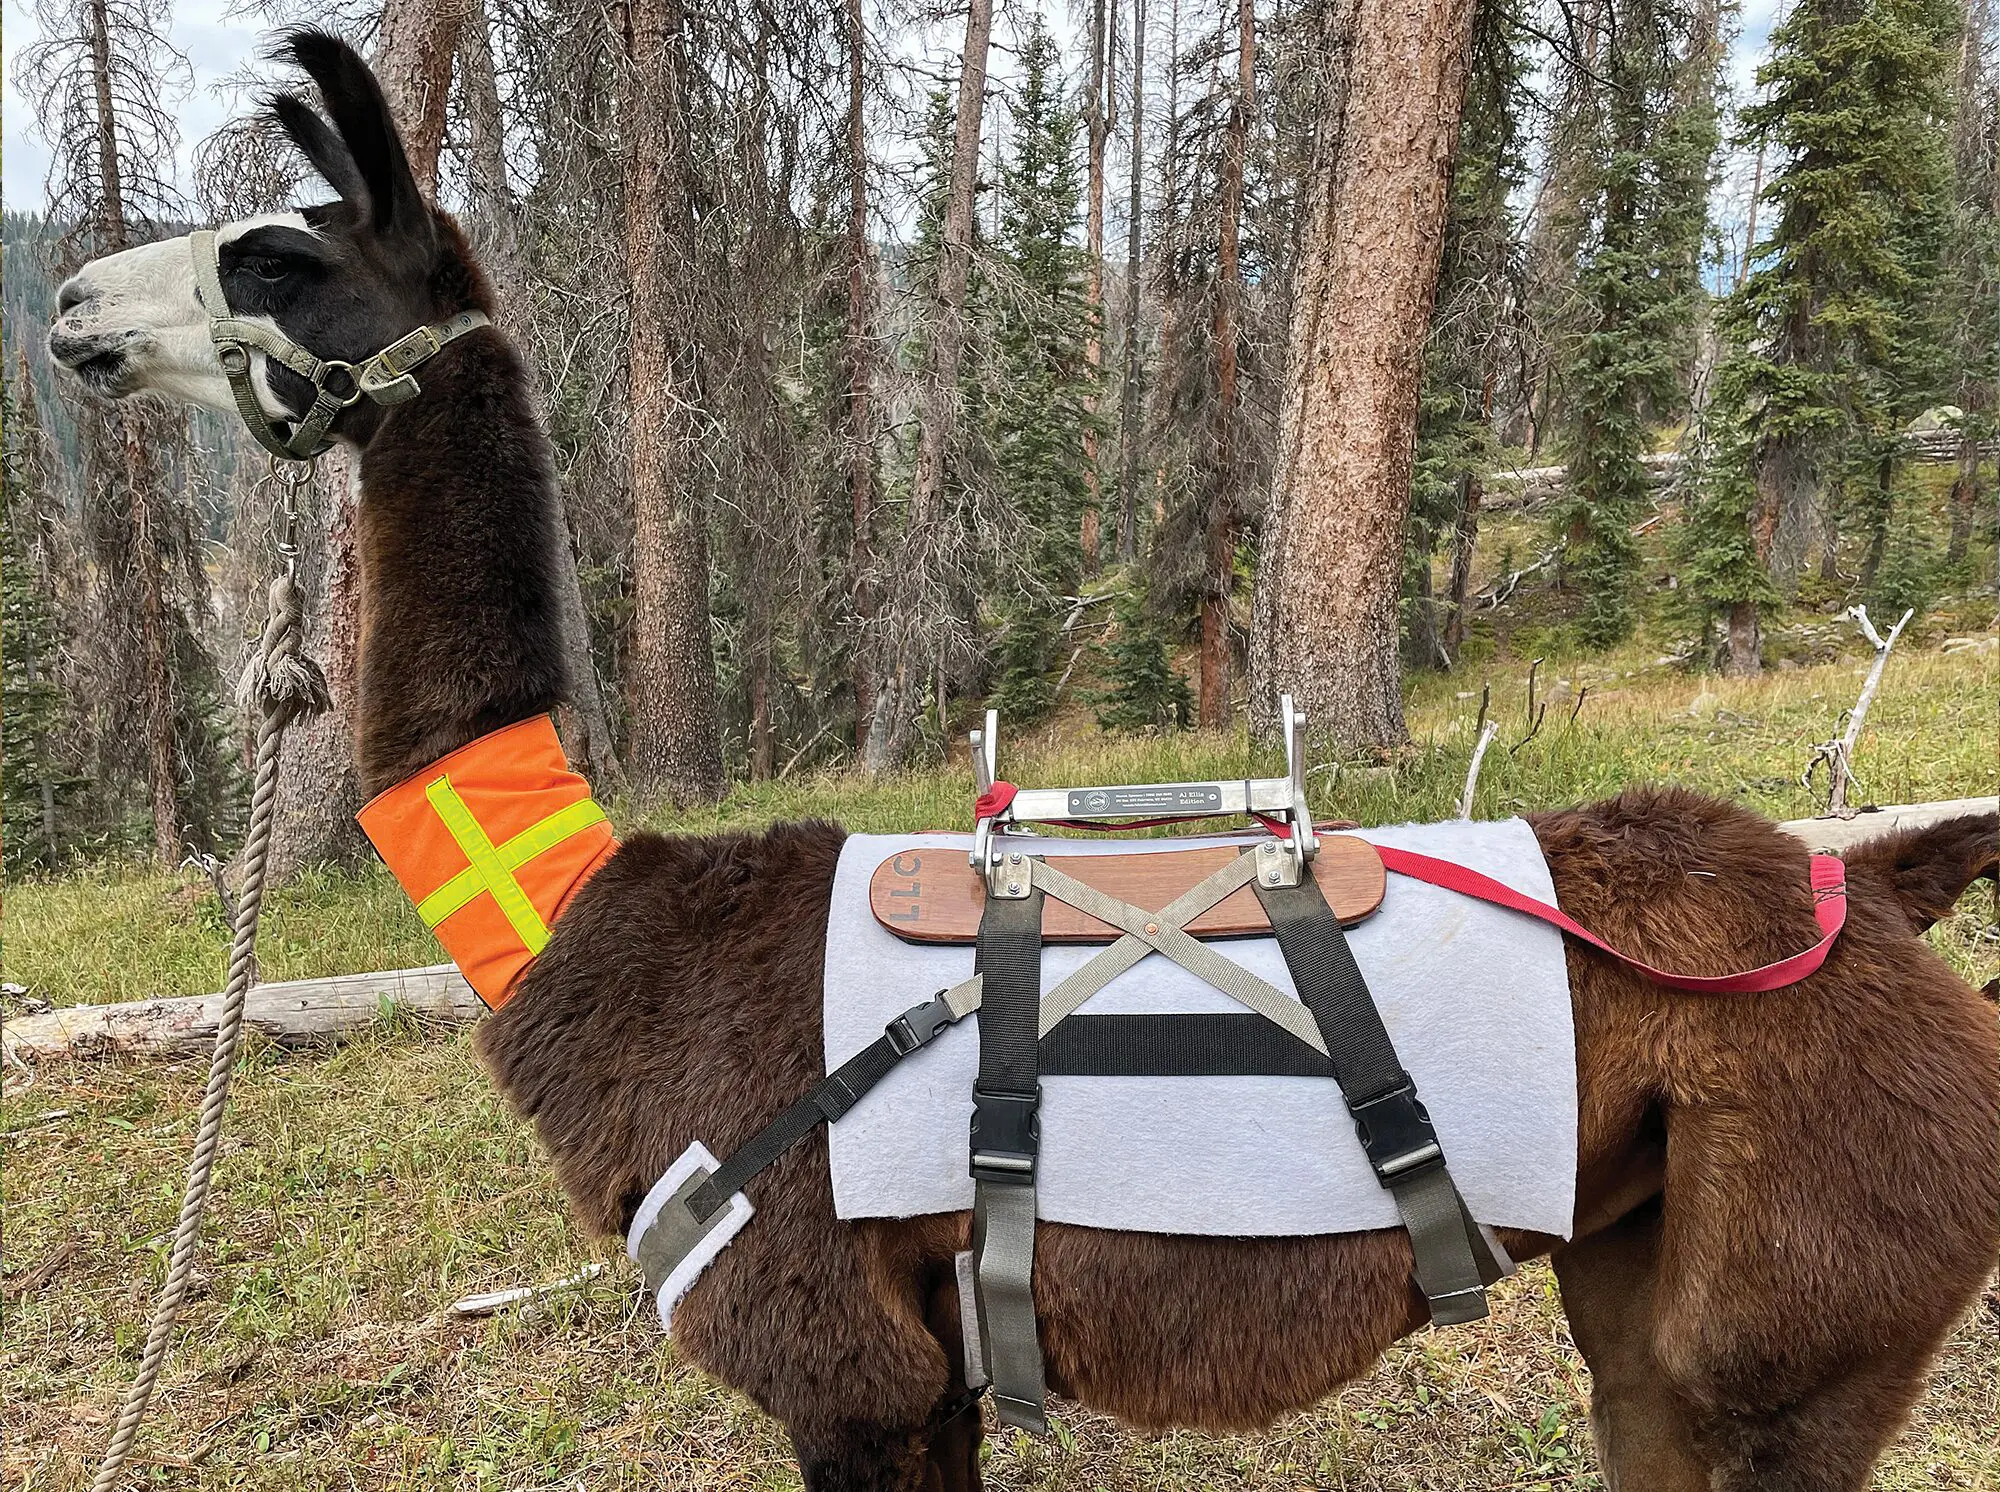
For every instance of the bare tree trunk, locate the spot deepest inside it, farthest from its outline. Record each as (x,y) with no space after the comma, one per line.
(1098,123)
(1465,540)
(1132,376)
(947,331)
(676,745)
(141,482)
(938,399)
(1365,283)
(1744,641)
(413,59)
(1225,498)
(155,643)
(860,378)
(496,235)
(1964,498)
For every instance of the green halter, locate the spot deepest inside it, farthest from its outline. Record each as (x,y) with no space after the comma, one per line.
(385,377)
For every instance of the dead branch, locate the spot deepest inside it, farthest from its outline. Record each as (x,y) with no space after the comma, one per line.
(1838,755)
(1486,734)
(1535,717)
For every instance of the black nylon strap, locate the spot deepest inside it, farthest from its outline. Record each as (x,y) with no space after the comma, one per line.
(1330,985)
(1131,1046)
(1009,961)
(839,1091)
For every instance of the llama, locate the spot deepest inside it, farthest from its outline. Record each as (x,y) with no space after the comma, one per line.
(1784,1200)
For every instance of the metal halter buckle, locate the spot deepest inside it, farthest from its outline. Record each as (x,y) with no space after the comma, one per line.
(408,350)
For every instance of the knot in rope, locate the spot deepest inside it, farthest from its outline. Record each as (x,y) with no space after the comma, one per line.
(280,678)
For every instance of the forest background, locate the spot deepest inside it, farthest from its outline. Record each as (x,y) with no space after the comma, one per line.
(1129,386)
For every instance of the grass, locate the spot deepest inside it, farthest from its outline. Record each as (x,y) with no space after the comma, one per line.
(1934,732)
(364,1189)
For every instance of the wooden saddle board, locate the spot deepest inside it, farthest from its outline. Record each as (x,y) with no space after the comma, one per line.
(933,896)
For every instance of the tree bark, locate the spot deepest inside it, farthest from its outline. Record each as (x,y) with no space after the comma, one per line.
(860,379)
(413,59)
(1745,643)
(1097,122)
(947,332)
(1131,375)
(1964,502)
(1367,277)
(1225,496)
(676,746)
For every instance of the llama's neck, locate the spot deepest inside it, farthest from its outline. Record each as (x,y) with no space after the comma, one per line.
(458,523)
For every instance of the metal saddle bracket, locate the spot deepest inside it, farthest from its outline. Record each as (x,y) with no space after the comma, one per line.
(1279,803)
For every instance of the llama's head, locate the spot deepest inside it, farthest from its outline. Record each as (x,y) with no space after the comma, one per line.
(342,280)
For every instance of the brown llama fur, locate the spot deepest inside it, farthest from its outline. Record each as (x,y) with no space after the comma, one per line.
(1785,1200)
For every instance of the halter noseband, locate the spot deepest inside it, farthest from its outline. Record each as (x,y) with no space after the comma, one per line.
(385,377)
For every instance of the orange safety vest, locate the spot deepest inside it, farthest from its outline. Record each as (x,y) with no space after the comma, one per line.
(491,843)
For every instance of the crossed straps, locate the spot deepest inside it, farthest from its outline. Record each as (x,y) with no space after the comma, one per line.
(1334,1015)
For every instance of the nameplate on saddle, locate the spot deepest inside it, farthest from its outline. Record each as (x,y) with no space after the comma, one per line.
(932,896)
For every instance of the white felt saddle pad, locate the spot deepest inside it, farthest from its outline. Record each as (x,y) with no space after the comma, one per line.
(1476,999)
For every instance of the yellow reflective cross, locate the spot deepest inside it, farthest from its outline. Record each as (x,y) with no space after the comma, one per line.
(490,868)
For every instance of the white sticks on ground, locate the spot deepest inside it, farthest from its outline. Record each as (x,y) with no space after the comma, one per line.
(1486,734)
(1838,754)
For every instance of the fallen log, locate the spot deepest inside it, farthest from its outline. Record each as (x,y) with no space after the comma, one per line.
(298,1012)
(310,1012)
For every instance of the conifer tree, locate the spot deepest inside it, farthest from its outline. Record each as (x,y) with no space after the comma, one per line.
(1041,406)
(1646,207)
(1854,114)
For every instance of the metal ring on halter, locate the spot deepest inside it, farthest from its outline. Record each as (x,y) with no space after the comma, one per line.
(354,390)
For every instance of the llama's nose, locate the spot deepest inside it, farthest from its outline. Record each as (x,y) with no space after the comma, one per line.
(71,295)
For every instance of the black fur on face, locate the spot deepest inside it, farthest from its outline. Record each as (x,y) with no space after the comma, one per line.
(378,262)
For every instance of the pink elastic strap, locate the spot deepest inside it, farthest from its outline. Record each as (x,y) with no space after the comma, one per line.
(1829,888)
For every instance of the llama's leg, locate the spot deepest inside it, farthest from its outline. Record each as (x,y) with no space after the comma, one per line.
(954,1449)
(865,1458)
(1825,1441)
(1642,1428)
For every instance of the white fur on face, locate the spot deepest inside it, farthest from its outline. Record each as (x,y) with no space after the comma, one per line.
(135,324)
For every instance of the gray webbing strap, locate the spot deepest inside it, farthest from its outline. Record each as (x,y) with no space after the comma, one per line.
(1163,934)
(1069,996)
(1005,1143)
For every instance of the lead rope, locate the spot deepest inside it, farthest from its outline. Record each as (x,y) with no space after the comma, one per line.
(284,685)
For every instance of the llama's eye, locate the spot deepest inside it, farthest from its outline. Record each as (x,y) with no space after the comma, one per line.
(268,270)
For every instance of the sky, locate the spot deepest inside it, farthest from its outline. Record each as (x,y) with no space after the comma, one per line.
(217,43)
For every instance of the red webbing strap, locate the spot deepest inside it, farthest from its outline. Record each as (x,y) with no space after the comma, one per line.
(1829,888)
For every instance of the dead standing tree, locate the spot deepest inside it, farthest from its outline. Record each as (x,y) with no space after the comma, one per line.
(926,553)
(100,77)
(1332,543)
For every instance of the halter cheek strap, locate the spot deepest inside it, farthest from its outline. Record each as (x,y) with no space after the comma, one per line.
(385,378)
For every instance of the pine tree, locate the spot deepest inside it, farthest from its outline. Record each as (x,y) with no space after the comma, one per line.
(1146,691)
(1647,215)
(1854,115)
(1041,406)
(37,789)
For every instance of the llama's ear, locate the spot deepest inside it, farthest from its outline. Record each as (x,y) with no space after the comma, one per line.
(326,151)
(359,111)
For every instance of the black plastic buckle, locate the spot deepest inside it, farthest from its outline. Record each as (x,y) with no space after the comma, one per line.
(1395,1130)
(919,1025)
(1006,1136)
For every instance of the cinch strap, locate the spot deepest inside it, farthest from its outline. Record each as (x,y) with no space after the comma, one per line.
(1453,1261)
(1005,1143)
